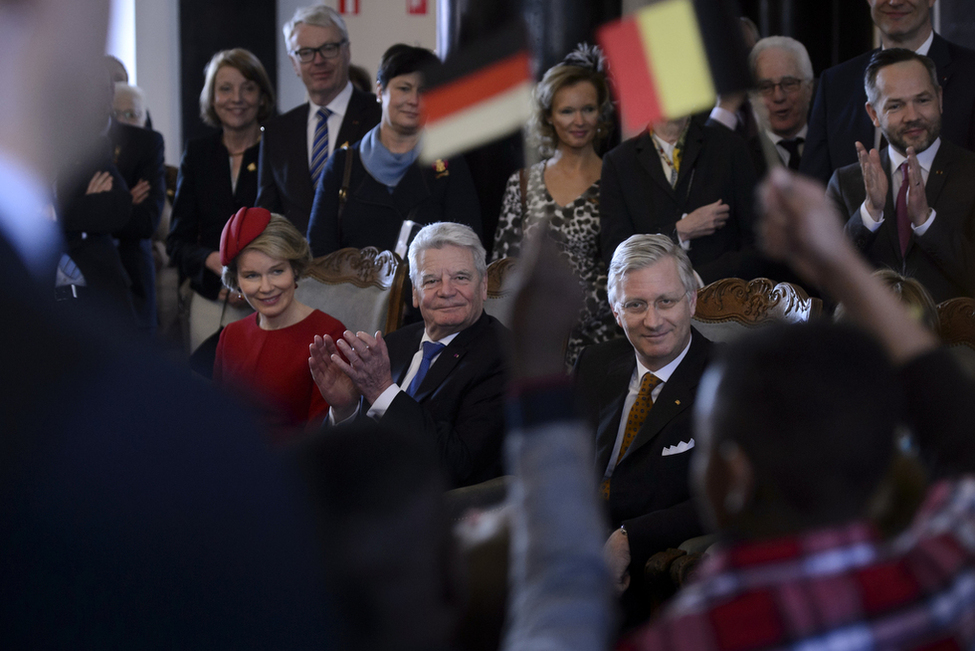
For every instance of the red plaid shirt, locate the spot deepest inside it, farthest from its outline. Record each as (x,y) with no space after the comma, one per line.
(836,589)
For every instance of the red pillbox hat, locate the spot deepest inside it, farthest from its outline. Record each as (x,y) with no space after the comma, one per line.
(240,230)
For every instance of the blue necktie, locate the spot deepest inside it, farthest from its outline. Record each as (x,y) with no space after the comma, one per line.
(319,149)
(430,350)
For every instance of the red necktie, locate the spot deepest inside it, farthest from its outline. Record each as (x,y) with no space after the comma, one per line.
(903,221)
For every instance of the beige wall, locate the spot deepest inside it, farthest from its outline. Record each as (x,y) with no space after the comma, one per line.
(379,24)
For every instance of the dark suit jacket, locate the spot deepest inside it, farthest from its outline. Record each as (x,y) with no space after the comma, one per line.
(373,216)
(649,492)
(635,197)
(138,155)
(127,523)
(88,222)
(283,180)
(460,403)
(943,259)
(839,118)
(205,200)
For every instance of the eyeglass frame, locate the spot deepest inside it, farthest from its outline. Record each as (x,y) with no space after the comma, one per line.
(642,312)
(320,50)
(767,88)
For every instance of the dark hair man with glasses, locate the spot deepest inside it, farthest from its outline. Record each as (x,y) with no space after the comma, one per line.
(638,393)
(296,145)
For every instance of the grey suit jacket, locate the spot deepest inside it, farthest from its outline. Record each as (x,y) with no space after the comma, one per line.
(943,259)
(283,181)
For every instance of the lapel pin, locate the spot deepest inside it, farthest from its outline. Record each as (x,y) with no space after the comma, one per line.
(676,402)
(456,355)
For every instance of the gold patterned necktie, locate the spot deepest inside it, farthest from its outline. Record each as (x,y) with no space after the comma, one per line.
(638,414)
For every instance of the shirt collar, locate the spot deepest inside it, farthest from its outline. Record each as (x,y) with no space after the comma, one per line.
(925,159)
(926,45)
(776,139)
(445,340)
(338,106)
(663,373)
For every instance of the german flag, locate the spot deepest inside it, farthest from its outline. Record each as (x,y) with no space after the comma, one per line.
(661,60)
(479,95)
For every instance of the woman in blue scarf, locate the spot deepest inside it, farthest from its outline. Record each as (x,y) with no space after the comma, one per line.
(389,195)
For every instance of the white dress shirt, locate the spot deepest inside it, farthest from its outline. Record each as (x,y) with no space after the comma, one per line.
(925,159)
(378,408)
(338,106)
(784,154)
(636,379)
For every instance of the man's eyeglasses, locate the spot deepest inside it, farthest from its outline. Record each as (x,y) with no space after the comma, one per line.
(327,50)
(637,307)
(788,85)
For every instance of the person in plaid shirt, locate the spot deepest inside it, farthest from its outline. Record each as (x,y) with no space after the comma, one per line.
(796,428)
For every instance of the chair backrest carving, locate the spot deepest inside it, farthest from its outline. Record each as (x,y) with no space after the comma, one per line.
(728,307)
(500,294)
(363,288)
(957,319)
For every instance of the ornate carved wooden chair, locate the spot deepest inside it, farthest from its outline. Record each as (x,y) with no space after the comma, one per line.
(500,294)
(362,288)
(729,307)
(957,319)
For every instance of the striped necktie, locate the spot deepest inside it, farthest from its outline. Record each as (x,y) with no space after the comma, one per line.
(319,150)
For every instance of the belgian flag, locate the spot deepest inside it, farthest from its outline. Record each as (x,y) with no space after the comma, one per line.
(672,57)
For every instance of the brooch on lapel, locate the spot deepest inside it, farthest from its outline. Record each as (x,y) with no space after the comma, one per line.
(440,167)
(252,167)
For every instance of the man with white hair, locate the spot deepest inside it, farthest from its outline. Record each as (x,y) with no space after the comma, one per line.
(296,145)
(443,379)
(638,393)
(129,105)
(783,76)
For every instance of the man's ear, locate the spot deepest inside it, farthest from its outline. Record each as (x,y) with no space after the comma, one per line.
(741,477)
(416,297)
(872,113)
(295,64)
(692,301)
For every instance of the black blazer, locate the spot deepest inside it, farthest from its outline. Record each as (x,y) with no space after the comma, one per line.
(839,118)
(649,492)
(138,154)
(943,259)
(373,217)
(459,406)
(107,487)
(205,200)
(635,197)
(88,222)
(283,178)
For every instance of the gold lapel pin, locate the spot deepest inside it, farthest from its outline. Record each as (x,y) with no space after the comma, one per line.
(252,167)
(676,402)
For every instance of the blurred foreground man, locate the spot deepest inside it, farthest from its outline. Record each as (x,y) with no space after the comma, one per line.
(123,523)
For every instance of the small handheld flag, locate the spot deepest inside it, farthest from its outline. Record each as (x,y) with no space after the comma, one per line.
(659,62)
(479,95)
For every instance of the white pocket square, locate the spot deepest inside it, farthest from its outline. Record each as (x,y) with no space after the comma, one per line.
(680,448)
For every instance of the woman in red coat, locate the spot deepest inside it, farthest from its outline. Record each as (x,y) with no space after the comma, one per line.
(266,353)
